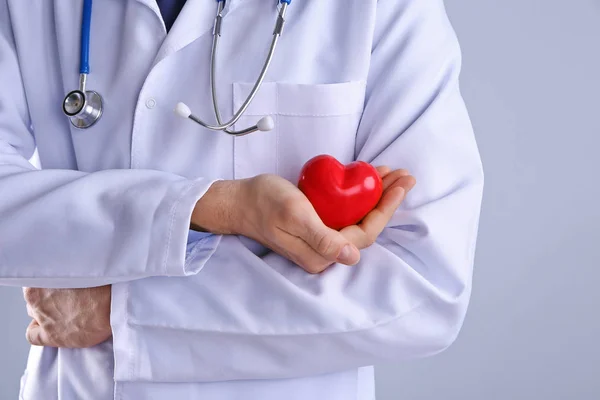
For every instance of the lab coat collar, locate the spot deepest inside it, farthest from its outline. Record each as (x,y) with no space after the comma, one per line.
(196,19)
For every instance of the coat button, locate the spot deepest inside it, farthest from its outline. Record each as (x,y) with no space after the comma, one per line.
(150,103)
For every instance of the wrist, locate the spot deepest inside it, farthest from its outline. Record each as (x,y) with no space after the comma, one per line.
(215,212)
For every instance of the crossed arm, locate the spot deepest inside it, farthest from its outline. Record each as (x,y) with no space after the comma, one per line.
(408,297)
(284,221)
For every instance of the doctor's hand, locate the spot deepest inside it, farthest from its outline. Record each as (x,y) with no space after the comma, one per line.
(275,213)
(68,318)
(396,184)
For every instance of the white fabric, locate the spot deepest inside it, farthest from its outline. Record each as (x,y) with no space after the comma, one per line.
(220,318)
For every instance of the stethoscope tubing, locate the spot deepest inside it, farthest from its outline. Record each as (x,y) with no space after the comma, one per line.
(261,77)
(86,23)
(88,111)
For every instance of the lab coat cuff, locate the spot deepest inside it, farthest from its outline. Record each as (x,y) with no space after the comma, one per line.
(183,257)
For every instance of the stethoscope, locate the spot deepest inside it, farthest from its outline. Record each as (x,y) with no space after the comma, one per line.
(84,107)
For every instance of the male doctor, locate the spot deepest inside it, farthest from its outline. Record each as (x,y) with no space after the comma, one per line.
(174,262)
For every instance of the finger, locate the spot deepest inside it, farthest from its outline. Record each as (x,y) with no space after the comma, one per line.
(327,242)
(390,201)
(383,170)
(356,236)
(379,217)
(330,244)
(364,234)
(32,295)
(36,335)
(298,251)
(393,176)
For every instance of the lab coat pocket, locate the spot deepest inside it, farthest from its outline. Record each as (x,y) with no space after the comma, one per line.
(310,119)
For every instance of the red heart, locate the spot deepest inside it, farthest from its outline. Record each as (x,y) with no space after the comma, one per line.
(341,195)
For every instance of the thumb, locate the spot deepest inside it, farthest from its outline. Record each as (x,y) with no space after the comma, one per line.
(333,246)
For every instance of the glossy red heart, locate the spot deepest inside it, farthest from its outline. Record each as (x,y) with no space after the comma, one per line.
(341,195)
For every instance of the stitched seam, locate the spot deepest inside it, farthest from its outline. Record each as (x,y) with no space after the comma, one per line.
(117,392)
(276,144)
(306,115)
(321,115)
(357,384)
(277,130)
(354,330)
(235,139)
(132,335)
(71,277)
(173,213)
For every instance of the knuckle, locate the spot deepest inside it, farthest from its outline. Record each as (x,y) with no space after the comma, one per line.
(261,181)
(323,243)
(289,207)
(370,238)
(31,295)
(326,245)
(290,213)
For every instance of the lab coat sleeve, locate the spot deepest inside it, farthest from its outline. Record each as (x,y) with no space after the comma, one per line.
(246,317)
(65,228)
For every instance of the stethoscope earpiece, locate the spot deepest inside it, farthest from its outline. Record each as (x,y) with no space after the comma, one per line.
(265,123)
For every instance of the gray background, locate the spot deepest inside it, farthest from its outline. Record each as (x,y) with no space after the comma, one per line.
(531,82)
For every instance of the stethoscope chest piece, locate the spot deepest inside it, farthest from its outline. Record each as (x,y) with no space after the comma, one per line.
(83,108)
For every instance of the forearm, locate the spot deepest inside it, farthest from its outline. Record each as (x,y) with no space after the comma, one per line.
(64,228)
(217,212)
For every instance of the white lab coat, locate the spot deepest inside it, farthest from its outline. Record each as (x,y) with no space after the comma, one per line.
(208,317)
